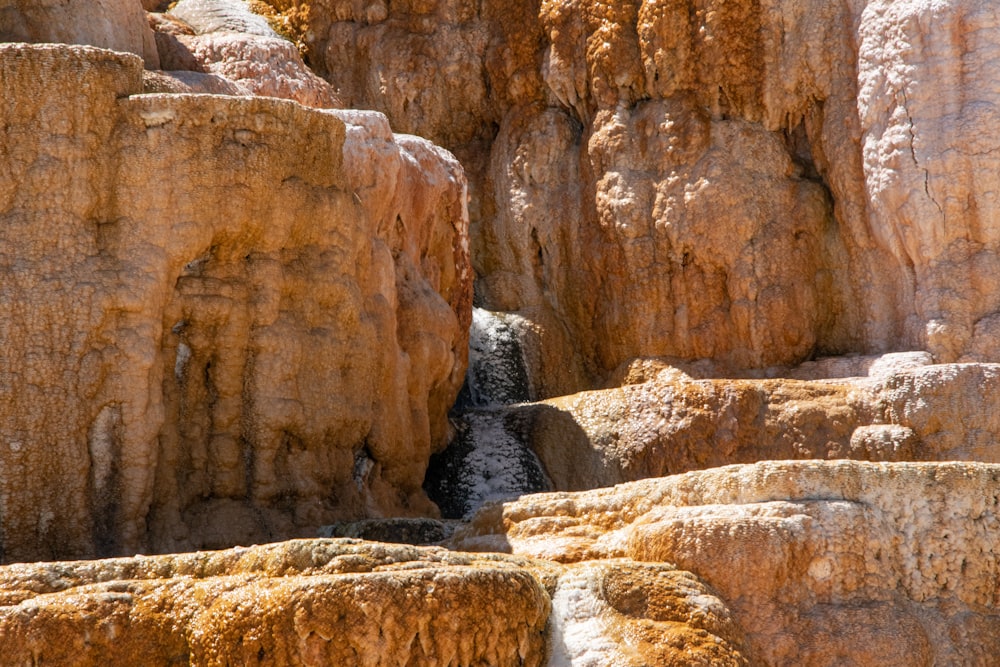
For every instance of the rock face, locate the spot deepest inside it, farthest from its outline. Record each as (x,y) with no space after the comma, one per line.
(820,563)
(228,317)
(119,25)
(674,423)
(752,183)
(669,417)
(222,318)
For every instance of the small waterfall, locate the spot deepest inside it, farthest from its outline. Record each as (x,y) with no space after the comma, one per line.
(489,458)
(498,374)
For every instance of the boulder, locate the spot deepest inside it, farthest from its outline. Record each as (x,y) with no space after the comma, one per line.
(119,25)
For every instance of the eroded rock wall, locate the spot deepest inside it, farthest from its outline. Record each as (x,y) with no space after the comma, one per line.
(222,320)
(754,183)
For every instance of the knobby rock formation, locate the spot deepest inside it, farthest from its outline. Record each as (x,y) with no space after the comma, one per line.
(232,311)
(755,183)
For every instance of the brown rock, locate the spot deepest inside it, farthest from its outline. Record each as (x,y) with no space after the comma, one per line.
(903,554)
(665,420)
(750,183)
(227,39)
(119,25)
(307,602)
(354,603)
(623,613)
(252,323)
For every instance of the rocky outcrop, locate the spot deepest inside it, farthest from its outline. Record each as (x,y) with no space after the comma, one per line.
(751,183)
(674,423)
(227,318)
(669,417)
(224,38)
(307,602)
(820,563)
(223,319)
(352,603)
(119,25)
(794,563)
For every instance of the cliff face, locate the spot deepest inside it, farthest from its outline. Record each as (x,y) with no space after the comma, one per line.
(222,319)
(749,182)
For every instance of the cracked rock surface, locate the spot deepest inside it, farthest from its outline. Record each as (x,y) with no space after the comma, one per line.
(809,556)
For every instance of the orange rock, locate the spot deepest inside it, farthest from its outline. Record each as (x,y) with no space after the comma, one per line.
(224,320)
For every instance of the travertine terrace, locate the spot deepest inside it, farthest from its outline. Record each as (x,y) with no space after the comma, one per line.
(730,275)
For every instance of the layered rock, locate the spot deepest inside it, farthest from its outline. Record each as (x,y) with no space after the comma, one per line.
(225,39)
(752,183)
(307,602)
(352,603)
(223,319)
(795,563)
(119,25)
(669,417)
(820,563)
(674,423)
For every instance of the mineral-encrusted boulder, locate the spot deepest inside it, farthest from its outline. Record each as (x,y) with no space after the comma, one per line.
(119,25)
(226,39)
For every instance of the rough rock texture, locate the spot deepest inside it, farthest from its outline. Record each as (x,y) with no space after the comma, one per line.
(222,319)
(667,418)
(619,613)
(119,25)
(224,38)
(821,563)
(320,602)
(749,182)
(325,602)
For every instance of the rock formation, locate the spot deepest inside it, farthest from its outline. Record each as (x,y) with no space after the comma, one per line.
(119,25)
(674,423)
(310,603)
(253,319)
(704,232)
(751,183)
(225,39)
(789,563)
(820,563)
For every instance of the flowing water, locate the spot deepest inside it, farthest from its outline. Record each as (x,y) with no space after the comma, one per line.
(488,459)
